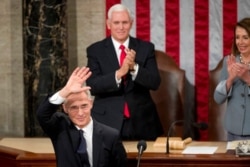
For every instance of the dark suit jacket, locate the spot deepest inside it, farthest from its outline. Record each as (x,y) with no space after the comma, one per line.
(108,150)
(109,98)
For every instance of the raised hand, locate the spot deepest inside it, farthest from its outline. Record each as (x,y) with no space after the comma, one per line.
(76,82)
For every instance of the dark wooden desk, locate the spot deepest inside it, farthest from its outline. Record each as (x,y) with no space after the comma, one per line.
(10,157)
(179,160)
(16,157)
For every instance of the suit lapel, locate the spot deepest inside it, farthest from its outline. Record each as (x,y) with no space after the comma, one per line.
(135,45)
(132,43)
(97,143)
(74,139)
(111,54)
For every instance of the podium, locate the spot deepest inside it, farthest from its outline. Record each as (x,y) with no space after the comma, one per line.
(38,152)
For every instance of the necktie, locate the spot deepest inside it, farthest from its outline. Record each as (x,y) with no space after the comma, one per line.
(82,150)
(123,54)
(122,57)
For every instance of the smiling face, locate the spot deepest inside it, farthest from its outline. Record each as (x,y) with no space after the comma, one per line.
(119,25)
(242,41)
(78,107)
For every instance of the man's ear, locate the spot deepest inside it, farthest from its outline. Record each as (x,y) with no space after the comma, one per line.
(91,104)
(64,108)
(108,24)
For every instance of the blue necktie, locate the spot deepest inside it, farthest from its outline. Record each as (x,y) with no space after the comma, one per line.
(82,150)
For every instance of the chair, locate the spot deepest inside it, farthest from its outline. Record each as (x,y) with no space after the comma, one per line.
(216,131)
(169,98)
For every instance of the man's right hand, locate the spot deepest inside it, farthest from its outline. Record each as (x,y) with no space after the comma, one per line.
(76,82)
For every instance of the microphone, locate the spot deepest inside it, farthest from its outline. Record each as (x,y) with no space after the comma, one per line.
(201,126)
(141,146)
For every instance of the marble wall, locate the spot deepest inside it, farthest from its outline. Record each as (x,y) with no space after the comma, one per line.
(86,24)
(45,55)
(37,52)
(11,65)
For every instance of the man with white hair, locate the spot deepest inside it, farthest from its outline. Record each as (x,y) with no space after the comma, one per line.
(79,140)
(124,70)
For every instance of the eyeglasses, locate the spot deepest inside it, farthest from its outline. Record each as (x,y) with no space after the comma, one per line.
(75,109)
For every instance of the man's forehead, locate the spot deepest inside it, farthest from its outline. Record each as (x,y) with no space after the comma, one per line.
(79,97)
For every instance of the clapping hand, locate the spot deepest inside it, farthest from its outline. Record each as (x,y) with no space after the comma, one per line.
(236,69)
(130,58)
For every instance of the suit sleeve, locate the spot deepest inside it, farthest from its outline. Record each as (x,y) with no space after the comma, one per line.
(148,75)
(220,93)
(48,117)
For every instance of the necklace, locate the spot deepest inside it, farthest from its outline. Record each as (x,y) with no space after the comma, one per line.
(243,62)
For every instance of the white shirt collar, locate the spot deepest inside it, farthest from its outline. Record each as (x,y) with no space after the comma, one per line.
(88,128)
(117,44)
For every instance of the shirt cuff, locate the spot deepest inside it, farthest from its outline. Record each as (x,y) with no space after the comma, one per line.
(134,72)
(56,99)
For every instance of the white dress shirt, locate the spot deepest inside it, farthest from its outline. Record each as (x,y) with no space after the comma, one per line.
(88,134)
